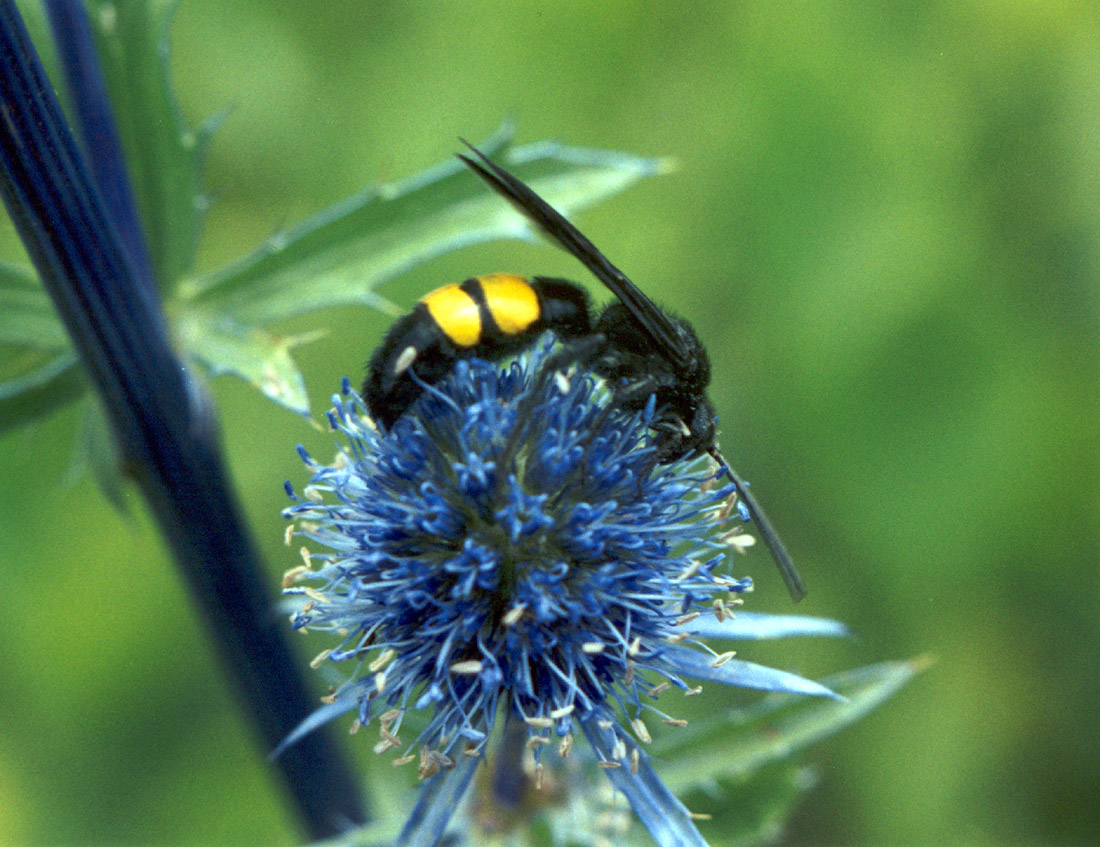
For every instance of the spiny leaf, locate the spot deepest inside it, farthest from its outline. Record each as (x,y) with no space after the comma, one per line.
(259,357)
(96,450)
(39,372)
(165,156)
(43,386)
(27,317)
(741,741)
(753,810)
(341,255)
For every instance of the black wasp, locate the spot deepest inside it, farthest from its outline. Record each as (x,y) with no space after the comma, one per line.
(636,347)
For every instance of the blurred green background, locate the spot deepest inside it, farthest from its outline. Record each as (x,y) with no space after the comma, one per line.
(886,228)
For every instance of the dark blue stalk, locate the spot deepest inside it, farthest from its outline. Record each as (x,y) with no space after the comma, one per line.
(96,128)
(162,420)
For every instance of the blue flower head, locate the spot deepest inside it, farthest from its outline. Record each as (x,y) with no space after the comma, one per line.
(512,548)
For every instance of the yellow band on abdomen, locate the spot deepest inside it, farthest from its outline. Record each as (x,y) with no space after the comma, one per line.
(512,302)
(456,313)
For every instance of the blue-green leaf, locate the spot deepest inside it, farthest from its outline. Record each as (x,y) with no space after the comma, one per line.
(44,384)
(27,317)
(164,155)
(39,372)
(341,255)
(97,451)
(740,741)
(259,357)
(753,810)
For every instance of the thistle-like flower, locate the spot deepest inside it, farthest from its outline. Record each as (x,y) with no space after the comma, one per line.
(512,548)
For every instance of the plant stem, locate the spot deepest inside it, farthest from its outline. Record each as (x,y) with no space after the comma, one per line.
(163,422)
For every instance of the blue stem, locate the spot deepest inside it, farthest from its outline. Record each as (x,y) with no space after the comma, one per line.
(95,124)
(166,432)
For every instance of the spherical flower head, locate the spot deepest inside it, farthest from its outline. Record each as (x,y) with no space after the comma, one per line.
(512,546)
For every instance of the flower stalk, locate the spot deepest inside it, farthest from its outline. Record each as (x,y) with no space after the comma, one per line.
(95,124)
(163,423)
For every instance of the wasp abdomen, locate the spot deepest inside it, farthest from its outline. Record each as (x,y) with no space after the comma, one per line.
(487,316)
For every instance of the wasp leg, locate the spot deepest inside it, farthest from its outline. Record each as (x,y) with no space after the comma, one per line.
(580,352)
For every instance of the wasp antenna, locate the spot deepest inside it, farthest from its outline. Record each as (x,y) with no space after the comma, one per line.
(783,561)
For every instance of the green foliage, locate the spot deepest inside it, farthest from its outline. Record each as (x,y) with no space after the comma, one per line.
(738,743)
(741,768)
(42,384)
(752,810)
(164,154)
(223,320)
(26,314)
(38,372)
(886,229)
(341,255)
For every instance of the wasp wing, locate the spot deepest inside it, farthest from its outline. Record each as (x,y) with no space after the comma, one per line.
(657,325)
